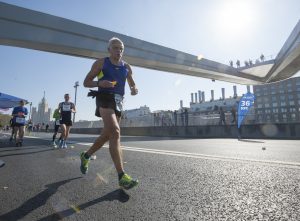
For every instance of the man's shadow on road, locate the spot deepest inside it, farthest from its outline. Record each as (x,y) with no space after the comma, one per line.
(117,194)
(41,198)
(34,202)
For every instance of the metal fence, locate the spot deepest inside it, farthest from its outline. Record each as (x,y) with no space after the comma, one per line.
(169,118)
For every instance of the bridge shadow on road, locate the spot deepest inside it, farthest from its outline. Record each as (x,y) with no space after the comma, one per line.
(8,148)
(26,153)
(21,148)
(118,194)
(34,202)
(28,142)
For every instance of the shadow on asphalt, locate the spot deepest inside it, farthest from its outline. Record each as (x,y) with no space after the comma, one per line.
(118,194)
(26,153)
(34,202)
(5,143)
(22,148)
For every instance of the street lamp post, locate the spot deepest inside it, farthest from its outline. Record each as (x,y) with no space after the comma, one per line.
(75,86)
(30,115)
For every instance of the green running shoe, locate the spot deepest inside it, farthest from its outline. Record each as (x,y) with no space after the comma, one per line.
(127,182)
(84,166)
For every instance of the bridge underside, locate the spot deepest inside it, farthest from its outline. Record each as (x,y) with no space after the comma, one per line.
(35,30)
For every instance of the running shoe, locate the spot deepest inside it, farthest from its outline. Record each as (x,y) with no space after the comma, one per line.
(61,144)
(54,144)
(127,182)
(64,145)
(84,166)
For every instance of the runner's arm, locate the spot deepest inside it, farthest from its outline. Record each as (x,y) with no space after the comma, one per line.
(59,108)
(14,113)
(74,108)
(130,81)
(95,70)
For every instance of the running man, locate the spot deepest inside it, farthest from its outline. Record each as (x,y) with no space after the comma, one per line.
(56,116)
(66,109)
(47,127)
(112,73)
(19,113)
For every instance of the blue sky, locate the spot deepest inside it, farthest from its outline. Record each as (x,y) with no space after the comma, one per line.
(218,29)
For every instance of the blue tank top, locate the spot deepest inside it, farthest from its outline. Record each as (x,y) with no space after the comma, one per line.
(115,73)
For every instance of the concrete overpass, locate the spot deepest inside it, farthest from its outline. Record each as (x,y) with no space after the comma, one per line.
(26,28)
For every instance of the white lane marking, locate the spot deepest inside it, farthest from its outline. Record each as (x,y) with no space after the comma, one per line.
(193,155)
(202,156)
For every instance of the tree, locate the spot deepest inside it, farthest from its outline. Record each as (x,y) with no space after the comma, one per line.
(4,119)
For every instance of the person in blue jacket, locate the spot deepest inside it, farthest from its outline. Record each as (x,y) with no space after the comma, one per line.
(19,114)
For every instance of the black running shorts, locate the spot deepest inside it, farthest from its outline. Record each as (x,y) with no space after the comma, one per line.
(106,101)
(66,122)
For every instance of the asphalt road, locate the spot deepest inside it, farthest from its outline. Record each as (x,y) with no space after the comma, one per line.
(180,179)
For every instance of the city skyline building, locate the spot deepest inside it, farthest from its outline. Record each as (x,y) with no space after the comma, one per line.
(43,113)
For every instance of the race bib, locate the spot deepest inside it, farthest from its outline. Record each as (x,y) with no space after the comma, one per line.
(20,120)
(57,122)
(66,107)
(119,102)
